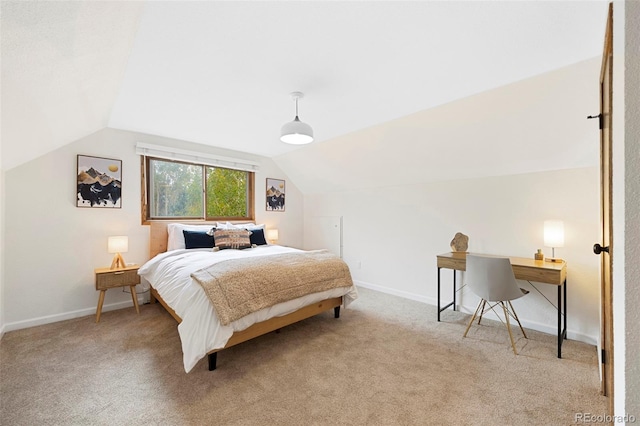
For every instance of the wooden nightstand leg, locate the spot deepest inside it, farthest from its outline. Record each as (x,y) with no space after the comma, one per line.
(100,302)
(134,296)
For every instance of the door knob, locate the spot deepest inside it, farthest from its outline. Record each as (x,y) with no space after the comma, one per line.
(597,248)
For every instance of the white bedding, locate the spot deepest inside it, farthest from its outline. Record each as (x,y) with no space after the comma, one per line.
(200,330)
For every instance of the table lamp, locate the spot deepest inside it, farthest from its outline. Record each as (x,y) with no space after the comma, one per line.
(117,245)
(553,237)
(272,235)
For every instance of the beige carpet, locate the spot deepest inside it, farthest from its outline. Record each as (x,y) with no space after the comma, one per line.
(386,361)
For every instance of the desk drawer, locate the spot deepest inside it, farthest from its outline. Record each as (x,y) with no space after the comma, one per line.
(117,279)
(459,264)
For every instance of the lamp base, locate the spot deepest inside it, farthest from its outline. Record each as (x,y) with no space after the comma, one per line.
(554,259)
(118,262)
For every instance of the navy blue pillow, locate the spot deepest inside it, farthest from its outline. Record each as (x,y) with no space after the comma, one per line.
(257,237)
(195,239)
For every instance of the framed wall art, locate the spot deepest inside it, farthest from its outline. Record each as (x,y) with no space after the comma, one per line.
(275,195)
(99,182)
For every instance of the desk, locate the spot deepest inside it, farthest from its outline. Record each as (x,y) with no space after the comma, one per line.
(553,273)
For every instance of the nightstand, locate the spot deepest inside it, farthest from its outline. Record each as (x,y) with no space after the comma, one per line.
(111,278)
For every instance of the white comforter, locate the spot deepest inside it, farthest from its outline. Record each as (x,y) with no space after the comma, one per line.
(200,330)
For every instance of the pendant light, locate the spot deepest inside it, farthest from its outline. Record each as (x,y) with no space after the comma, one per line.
(296,132)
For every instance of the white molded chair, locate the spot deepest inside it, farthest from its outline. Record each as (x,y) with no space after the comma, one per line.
(492,279)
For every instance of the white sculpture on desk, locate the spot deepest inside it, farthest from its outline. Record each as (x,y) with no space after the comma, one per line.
(460,242)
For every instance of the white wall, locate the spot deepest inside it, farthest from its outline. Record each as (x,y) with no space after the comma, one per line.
(632,206)
(2,227)
(52,246)
(392,234)
(626,206)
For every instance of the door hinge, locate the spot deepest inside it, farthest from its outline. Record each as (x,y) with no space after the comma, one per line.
(599,117)
(602,356)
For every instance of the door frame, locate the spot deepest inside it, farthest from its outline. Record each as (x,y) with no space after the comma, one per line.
(606,213)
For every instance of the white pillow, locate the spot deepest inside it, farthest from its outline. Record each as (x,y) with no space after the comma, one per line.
(224,225)
(175,238)
(248,226)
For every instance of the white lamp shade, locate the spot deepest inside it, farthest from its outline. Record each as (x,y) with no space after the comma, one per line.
(554,233)
(272,234)
(118,244)
(296,132)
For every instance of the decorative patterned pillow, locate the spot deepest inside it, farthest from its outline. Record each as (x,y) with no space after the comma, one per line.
(232,239)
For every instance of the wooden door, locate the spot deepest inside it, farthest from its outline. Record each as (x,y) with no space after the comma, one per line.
(605,250)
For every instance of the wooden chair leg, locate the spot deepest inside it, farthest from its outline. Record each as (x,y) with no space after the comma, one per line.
(484,302)
(516,317)
(506,315)
(472,318)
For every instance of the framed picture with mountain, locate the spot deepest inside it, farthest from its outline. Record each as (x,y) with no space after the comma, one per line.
(99,182)
(275,195)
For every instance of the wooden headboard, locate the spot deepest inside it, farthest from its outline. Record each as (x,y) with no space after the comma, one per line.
(158,234)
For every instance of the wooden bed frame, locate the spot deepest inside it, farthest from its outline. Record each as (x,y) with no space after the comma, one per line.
(158,244)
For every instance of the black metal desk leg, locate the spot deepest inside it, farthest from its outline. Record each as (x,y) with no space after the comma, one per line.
(440,307)
(454,289)
(438,294)
(565,309)
(560,321)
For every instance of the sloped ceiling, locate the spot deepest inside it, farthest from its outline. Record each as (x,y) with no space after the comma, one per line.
(62,68)
(534,125)
(220,73)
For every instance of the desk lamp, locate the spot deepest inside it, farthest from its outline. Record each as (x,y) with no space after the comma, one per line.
(553,237)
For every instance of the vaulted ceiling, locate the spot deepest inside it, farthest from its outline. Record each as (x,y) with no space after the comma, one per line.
(220,73)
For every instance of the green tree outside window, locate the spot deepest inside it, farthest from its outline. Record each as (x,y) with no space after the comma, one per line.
(196,191)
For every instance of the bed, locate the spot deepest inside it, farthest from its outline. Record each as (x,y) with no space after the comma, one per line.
(173,275)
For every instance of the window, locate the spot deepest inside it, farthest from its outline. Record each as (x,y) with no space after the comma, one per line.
(181,190)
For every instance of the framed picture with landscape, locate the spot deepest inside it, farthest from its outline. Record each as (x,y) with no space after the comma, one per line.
(275,195)
(99,182)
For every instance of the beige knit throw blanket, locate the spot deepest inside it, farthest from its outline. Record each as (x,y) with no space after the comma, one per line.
(238,287)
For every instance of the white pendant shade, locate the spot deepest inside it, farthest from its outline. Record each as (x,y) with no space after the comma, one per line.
(296,132)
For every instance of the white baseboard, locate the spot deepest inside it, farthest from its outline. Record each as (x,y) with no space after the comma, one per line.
(533,325)
(399,293)
(18,325)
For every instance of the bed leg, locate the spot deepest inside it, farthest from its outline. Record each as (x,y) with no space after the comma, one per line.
(213,358)
(336,312)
